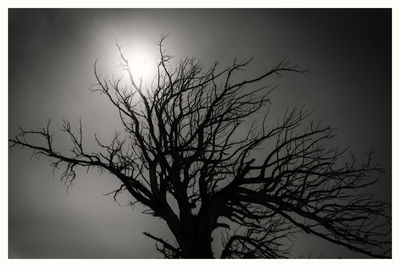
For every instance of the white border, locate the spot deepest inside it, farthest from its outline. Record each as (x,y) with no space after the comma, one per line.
(395,5)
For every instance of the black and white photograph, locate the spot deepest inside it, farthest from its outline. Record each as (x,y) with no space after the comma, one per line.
(199,133)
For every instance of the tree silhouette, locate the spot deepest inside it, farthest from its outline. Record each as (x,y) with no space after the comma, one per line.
(187,153)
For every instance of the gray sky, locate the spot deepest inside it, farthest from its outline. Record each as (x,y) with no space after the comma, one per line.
(51,56)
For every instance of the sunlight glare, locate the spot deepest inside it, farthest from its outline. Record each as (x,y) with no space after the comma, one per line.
(143,61)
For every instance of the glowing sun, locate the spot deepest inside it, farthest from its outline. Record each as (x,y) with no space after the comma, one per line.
(143,61)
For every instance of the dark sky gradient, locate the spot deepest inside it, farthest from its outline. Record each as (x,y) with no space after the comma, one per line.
(51,56)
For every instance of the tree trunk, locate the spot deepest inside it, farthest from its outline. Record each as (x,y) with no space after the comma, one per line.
(193,232)
(194,238)
(196,245)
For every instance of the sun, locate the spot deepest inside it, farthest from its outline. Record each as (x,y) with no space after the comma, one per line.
(143,61)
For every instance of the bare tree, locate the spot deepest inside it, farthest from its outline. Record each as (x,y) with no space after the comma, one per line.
(187,137)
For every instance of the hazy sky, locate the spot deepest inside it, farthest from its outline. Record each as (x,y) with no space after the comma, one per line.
(51,57)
